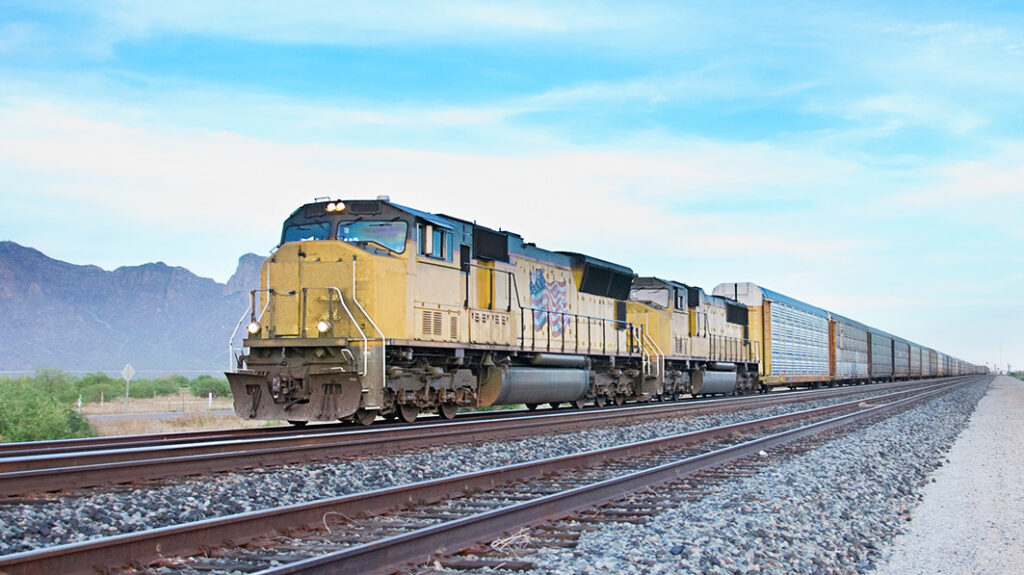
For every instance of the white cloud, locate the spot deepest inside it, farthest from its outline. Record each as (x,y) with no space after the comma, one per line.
(916,109)
(641,197)
(989,190)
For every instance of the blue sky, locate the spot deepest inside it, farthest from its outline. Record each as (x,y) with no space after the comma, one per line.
(867,157)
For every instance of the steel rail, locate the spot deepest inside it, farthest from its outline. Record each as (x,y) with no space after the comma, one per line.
(21,476)
(394,553)
(67,446)
(140,548)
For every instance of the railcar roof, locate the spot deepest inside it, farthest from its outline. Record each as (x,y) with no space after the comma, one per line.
(775,296)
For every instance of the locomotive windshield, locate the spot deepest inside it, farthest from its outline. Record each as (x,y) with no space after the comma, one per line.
(389,235)
(305,232)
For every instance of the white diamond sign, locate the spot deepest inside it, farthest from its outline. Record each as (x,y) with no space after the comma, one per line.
(127,374)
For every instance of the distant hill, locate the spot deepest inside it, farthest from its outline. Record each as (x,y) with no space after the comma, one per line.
(156,317)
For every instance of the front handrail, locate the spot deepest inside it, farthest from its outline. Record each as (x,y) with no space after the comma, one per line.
(383,340)
(250,311)
(232,360)
(355,324)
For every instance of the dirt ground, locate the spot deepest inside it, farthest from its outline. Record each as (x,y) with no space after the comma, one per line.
(972,516)
(181,412)
(183,402)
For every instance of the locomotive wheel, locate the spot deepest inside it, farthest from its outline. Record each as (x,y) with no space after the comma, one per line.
(578,404)
(532,406)
(364,416)
(600,401)
(447,410)
(296,423)
(620,399)
(408,413)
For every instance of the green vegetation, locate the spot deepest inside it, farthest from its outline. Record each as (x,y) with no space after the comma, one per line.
(205,384)
(40,407)
(29,411)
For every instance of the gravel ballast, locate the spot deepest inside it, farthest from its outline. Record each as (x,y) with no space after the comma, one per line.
(831,510)
(972,517)
(92,515)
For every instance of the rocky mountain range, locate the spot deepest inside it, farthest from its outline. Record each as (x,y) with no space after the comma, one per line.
(82,318)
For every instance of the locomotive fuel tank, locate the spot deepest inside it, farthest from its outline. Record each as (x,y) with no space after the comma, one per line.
(719,378)
(533,385)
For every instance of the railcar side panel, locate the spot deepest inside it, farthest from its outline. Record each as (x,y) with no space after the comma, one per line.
(799,344)
(900,358)
(851,350)
(915,361)
(881,355)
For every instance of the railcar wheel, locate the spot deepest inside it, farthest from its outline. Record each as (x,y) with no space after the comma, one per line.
(578,404)
(532,406)
(408,413)
(447,410)
(600,401)
(364,417)
(297,423)
(555,404)
(619,399)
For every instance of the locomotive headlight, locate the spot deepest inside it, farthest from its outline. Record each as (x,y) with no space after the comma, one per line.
(335,206)
(254,327)
(323,326)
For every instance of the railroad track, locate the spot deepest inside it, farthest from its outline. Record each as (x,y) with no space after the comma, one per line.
(70,466)
(387,530)
(90,444)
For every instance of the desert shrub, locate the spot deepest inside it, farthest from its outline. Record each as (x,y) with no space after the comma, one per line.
(173,382)
(57,382)
(29,412)
(91,385)
(146,388)
(205,384)
(142,389)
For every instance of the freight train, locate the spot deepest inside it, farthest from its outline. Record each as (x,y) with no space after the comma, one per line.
(371,309)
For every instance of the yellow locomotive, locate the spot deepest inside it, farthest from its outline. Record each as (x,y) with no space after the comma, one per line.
(368,308)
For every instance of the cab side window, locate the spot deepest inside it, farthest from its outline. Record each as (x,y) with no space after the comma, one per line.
(434,242)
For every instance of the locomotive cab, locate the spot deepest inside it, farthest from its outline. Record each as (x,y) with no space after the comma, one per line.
(317,329)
